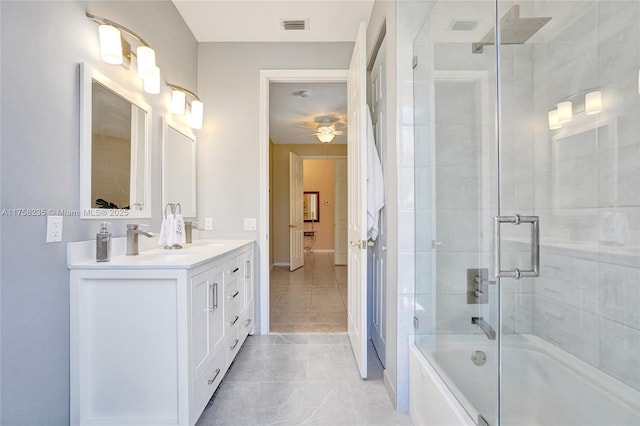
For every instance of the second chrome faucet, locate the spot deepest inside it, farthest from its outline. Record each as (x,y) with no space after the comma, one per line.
(132,238)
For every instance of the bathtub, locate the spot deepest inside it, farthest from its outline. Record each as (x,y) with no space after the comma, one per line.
(542,385)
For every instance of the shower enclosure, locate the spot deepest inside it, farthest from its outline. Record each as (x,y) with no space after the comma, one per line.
(527,198)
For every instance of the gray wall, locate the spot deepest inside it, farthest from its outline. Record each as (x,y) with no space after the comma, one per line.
(229,145)
(42,44)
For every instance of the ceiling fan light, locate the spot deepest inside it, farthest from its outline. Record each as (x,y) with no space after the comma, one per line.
(326,137)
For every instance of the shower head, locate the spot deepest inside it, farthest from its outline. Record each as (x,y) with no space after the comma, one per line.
(513,30)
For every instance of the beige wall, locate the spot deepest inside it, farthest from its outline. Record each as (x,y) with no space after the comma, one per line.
(279,209)
(319,176)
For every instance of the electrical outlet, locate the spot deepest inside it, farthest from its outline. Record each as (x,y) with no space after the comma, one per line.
(249,223)
(54,229)
(208,223)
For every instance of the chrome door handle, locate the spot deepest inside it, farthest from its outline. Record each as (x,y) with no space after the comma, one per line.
(214,296)
(517,273)
(361,244)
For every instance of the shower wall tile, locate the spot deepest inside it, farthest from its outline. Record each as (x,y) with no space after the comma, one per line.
(620,295)
(406,192)
(458,230)
(407,270)
(620,352)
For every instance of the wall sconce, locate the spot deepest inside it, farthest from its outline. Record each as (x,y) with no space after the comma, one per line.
(179,105)
(554,123)
(113,51)
(593,102)
(565,111)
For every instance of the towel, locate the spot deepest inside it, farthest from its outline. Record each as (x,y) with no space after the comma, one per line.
(168,231)
(375,182)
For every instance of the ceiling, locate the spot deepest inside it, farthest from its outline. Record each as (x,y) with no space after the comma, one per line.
(259,20)
(293,118)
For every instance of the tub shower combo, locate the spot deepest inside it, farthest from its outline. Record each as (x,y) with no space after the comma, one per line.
(527,198)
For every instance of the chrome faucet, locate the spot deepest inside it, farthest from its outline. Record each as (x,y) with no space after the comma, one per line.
(488,330)
(132,238)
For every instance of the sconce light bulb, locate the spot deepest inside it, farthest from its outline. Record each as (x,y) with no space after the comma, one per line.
(197,108)
(110,44)
(178,102)
(593,102)
(152,84)
(565,111)
(554,123)
(146,61)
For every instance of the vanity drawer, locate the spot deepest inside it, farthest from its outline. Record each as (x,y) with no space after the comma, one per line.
(206,385)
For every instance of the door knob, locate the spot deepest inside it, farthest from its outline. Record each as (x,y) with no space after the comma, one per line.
(292,226)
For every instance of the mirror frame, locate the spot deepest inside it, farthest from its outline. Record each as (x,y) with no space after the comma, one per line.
(187,211)
(317,194)
(87,76)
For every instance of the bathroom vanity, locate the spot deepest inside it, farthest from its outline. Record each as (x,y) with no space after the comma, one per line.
(153,335)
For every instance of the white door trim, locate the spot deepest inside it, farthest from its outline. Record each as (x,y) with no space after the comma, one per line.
(281,76)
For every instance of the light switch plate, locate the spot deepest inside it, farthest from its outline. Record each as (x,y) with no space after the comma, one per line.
(54,229)
(249,223)
(208,223)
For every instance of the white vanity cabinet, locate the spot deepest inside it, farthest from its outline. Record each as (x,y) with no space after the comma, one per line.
(152,337)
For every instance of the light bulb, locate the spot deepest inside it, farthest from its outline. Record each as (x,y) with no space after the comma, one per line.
(178,102)
(196,114)
(593,103)
(146,61)
(152,84)
(565,111)
(553,120)
(110,44)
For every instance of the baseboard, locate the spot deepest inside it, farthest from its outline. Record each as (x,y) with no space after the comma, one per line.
(391,391)
(280,264)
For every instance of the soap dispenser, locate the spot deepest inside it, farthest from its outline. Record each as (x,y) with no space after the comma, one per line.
(103,243)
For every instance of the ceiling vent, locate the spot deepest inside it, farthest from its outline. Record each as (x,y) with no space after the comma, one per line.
(294,24)
(464,25)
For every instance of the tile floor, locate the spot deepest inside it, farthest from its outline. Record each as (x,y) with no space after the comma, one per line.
(310,299)
(300,379)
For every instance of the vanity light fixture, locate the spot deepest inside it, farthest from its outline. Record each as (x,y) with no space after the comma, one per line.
(113,50)
(179,104)
(593,102)
(565,111)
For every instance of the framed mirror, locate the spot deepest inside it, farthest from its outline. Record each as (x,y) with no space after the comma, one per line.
(311,206)
(115,153)
(179,168)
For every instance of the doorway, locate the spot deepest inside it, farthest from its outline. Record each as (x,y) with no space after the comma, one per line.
(267,220)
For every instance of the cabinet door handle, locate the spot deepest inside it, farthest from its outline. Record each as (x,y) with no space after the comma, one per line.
(246,324)
(248,269)
(214,296)
(210,381)
(234,321)
(235,270)
(233,296)
(234,345)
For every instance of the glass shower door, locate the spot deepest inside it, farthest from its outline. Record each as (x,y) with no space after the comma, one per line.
(456,163)
(570,155)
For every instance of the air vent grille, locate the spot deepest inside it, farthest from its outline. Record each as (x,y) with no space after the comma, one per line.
(294,24)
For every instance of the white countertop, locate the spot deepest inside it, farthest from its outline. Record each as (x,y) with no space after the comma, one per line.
(191,255)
